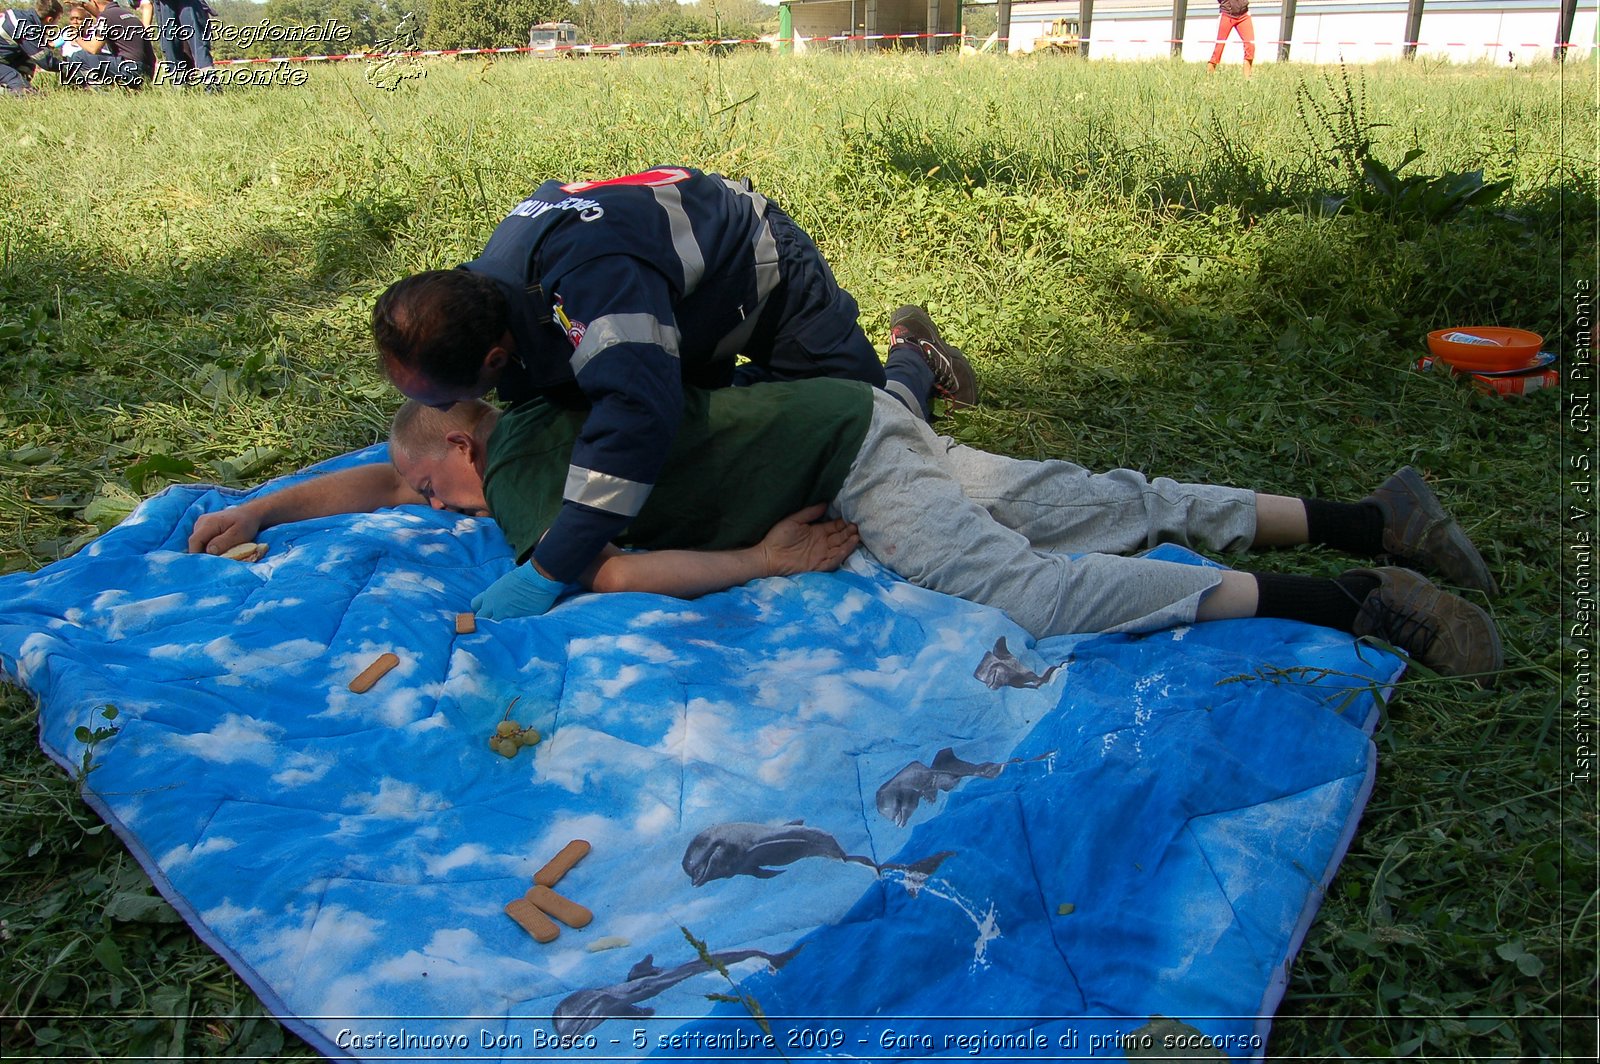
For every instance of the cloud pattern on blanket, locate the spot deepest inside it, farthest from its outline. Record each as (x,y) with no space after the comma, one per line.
(808,775)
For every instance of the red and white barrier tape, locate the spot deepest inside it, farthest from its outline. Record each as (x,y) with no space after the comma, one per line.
(586,49)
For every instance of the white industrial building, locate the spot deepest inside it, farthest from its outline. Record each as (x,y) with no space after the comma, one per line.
(854,25)
(1324,31)
(1306,31)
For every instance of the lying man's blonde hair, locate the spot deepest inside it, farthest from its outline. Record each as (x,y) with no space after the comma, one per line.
(420,430)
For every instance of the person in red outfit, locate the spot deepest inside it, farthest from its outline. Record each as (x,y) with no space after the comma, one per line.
(1234,15)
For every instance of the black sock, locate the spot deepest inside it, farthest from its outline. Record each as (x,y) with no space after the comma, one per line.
(1313,599)
(1353,527)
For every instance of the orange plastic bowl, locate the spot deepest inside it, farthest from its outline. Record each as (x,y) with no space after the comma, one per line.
(1488,348)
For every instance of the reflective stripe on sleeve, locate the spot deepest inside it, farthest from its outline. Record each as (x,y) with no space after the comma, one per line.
(758,202)
(670,197)
(602,491)
(607,332)
(766,254)
(765,246)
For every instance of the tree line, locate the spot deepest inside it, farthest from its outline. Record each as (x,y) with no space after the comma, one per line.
(389,25)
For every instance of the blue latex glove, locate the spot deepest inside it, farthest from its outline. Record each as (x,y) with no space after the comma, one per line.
(523,592)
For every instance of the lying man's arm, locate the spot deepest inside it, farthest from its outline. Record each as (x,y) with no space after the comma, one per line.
(794,545)
(349,491)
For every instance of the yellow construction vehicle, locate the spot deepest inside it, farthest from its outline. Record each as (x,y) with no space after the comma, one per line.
(1060,36)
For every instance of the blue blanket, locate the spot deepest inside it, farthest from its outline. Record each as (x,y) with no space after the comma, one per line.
(882,820)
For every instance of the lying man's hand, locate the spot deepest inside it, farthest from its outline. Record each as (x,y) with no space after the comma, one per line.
(523,592)
(802,544)
(217,532)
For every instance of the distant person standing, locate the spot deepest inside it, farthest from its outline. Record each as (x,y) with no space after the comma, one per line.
(23,49)
(182,26)
(1234,15)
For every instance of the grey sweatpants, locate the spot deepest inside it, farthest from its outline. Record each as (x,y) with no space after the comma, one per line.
(1003,531)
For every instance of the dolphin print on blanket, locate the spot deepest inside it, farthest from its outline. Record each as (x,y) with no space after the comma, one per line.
(918,783)
(1146,835)
(582,1012)
(726,850)
(1000,668)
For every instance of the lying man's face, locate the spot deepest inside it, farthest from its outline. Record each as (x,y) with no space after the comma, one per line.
(449,480)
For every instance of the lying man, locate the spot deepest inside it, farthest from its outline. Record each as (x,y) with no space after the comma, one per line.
(995,530)
(619,293)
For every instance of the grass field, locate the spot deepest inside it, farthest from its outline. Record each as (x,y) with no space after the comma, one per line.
(1141,261)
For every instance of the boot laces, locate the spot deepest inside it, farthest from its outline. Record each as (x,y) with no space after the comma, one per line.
(944,374)
(1403,627)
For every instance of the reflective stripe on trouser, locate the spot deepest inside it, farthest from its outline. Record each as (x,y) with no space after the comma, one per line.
(13,79)
(818,332)
(998,530)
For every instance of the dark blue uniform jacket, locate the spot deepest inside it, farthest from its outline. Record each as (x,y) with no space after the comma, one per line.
(23,42)
(627,288)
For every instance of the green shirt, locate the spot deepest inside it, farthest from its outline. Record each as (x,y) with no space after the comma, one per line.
(743,459)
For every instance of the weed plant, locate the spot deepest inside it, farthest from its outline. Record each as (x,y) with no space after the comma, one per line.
(1137,258)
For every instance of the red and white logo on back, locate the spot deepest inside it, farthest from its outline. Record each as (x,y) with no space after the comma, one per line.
(666,175)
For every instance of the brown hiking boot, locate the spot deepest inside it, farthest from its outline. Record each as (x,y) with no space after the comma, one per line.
(1417,531)
(953,379)
(1445,632)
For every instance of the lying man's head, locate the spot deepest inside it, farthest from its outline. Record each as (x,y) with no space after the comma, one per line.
(440,454)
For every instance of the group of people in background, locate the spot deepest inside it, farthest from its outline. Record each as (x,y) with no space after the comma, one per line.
(91,43)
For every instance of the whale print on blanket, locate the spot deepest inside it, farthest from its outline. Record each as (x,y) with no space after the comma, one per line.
(1147,834)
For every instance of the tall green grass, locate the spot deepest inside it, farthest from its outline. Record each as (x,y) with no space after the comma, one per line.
(1138,258)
